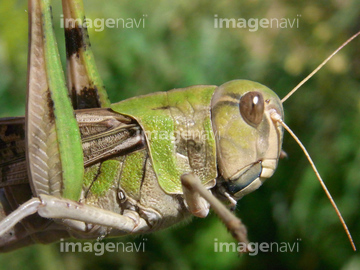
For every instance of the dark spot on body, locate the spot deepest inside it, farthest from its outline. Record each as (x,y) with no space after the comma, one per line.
(162,108)
(88,98)
(74,40)
(50,104)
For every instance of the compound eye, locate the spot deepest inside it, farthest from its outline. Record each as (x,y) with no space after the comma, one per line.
(252,108)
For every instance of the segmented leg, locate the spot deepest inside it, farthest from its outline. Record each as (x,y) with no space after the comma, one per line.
(59,208)
(195,194)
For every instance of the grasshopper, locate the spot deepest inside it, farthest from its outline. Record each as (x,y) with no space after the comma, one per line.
(135,166)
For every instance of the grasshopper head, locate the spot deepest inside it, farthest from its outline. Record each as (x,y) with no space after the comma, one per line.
(248,142)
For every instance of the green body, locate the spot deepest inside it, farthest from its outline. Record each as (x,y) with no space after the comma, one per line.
(135,153)
(169,119)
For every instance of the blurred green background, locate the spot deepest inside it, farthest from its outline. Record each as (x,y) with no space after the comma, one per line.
(178,47)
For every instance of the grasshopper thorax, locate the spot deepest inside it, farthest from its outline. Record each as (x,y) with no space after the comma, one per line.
(248,141)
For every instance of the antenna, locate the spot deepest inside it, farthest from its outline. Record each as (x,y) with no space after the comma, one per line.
(277,118)
(319,67)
